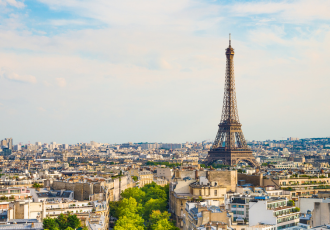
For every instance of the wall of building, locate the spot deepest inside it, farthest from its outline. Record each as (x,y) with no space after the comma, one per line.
(224,178)
(258,213)
(321,214)
(82,191)
(256,180)
(306,204)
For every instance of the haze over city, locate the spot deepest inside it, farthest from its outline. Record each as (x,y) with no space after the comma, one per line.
(119,71)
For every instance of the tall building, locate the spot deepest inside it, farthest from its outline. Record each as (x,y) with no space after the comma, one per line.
(230,146)
(7,143)
(10,143)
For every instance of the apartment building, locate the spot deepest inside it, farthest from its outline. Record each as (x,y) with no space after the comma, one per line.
(14,193)
(273,211)
(145,177)
(213,186)
(199,214)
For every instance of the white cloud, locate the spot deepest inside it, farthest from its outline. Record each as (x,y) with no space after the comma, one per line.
(20,78)
(61,82)
(144,12)
(14,3)
(297,11)
(64,22)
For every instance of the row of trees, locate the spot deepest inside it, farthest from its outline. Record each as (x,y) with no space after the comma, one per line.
(62,222)
(214,165)
(143,208)
(168,164)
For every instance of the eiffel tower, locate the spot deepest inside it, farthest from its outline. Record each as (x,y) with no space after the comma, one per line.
(230,146)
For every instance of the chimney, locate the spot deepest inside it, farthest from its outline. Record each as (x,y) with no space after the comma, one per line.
(196,174)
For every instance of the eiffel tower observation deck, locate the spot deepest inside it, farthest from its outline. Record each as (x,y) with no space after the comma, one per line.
(230,146)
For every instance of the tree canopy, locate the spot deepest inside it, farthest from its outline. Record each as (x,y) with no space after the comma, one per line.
(143,207)
(62,222)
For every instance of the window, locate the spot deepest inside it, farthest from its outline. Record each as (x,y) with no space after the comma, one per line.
(14,191)
(215,192)
(200,192)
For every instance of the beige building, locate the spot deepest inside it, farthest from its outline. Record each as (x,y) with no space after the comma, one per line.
(299,186)
(134,172)
(27,210)
(145,177)
(197,214)
(40,210)
(321,213)
(165,173)
(213,186)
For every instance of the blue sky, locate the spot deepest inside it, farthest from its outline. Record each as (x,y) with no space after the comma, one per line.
(117,71)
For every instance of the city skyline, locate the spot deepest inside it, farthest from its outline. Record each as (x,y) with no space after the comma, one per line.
(208,142)
(73,72)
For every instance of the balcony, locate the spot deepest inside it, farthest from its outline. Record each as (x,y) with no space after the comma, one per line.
(71,207)
(287,212)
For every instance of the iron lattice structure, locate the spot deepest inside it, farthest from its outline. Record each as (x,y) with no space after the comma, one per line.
(230,145)
(230,134)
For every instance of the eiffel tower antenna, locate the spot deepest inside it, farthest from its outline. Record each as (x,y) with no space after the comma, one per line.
(229,40)
(229,144)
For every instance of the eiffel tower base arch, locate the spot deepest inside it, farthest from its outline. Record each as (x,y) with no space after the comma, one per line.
(231,157)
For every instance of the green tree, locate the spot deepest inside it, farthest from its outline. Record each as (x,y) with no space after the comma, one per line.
(135,193)
(129,205)
(154,204)
(166,189)
(73,221)
(113,206)
(296,209)
(132,222)
(290,203)
(156,216)
(160,221)
(49,223)
(154,191)
(69,228)
(36,185)
(62,220)
(149,202)
(164,225)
